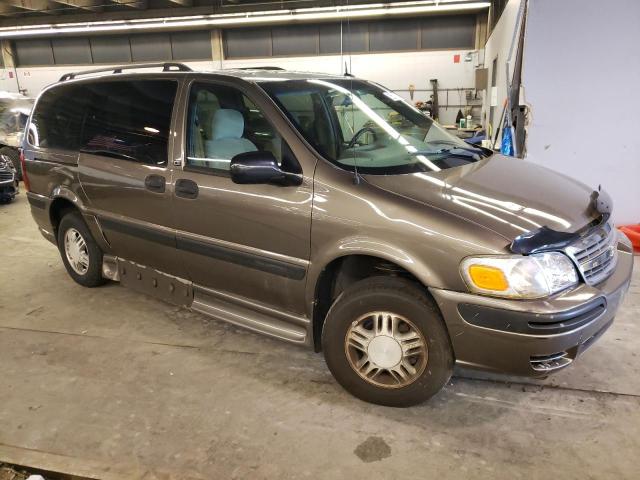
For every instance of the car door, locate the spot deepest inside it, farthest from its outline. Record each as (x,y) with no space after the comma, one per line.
(124,168)
(251,241)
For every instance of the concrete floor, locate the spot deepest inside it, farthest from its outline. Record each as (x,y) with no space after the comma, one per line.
(109,383)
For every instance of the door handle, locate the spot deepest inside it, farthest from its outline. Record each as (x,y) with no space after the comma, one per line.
(186,188)
(155,183)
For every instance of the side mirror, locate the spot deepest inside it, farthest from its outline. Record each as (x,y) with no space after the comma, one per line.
(260,167)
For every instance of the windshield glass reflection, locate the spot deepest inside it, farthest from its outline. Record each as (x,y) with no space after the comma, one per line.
(358,124)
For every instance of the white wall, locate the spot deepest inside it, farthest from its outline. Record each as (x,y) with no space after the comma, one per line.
(498,45)
(581,78)
(8,80)
(394,70)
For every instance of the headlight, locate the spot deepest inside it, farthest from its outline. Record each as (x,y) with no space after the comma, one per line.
(517,276)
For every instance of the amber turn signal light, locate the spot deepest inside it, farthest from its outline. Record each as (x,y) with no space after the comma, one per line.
(488,278)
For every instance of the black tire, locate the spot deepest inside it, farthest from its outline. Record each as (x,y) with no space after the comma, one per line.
(401,297)
(14,156)
(93,275)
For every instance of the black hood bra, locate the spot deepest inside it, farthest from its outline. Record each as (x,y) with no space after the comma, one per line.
(545,239)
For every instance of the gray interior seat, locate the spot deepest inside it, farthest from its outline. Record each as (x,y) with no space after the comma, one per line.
(226,139)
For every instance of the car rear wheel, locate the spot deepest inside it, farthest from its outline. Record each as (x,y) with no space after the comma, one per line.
(80,254)
(385,342)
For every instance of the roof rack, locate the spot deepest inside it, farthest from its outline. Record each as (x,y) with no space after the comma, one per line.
(261,68)
(166,67)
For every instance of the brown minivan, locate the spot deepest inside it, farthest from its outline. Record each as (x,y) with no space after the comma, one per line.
(326,211)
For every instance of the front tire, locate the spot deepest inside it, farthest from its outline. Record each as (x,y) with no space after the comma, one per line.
(385,342)
(80,254)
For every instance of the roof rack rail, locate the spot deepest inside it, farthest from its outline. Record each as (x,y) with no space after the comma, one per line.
(261,68)
(166,67)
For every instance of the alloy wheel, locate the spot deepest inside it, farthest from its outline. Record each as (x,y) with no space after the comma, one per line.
(386,349)
(76,251)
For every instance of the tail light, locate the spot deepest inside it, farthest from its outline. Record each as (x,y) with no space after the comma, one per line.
(23,166)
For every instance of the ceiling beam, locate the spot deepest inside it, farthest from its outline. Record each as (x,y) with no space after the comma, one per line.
(7,10)
(93,5)
(40,6)
(137,4)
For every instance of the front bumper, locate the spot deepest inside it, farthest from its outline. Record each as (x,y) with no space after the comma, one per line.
(532,337)
(8,188)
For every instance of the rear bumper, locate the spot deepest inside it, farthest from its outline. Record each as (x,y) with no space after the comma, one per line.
(40,213)
(532,338)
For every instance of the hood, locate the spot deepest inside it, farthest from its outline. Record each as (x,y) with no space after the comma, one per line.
(507,195)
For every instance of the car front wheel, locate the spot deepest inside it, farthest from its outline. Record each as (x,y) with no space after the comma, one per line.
(385,342)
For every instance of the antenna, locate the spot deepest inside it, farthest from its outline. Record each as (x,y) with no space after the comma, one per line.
(348,73)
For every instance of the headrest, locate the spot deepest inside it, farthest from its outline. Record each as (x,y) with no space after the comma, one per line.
(227,123)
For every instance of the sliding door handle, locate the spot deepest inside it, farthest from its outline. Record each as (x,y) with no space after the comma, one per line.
(186,188)
(155,183)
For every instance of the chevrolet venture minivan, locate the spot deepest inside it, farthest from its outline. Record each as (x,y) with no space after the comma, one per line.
(328,212)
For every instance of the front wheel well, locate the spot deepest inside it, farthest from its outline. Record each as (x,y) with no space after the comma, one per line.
(340,274)
(58,209)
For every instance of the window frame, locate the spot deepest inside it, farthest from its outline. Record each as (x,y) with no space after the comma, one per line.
(225,82)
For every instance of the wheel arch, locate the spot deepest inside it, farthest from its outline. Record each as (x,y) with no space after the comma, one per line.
(62,202)
(340,271)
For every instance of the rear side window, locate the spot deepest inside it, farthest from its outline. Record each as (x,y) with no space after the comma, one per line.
(129,120)
(57,118)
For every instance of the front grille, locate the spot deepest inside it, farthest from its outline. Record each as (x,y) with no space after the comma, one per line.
(595,254)
(5,176)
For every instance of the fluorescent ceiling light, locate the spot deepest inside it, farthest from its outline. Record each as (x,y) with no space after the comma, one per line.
(246,18)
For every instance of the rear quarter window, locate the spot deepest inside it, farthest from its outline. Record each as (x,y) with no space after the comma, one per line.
(57,119)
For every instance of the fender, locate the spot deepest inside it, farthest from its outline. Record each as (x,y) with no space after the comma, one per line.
(417,265)
(62,191)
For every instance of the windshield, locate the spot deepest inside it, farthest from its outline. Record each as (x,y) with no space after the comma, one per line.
(358,124)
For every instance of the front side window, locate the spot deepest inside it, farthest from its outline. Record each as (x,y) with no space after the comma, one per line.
(222,123)
(129,120)
(357,124)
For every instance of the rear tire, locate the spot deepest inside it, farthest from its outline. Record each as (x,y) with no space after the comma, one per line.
(13,155)
(385,342)
(80,254)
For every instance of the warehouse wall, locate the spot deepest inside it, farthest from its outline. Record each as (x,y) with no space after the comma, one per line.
(395,52)
(582,88)
(394,70)
(7,80)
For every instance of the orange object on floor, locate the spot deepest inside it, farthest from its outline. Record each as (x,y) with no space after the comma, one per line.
(633,232)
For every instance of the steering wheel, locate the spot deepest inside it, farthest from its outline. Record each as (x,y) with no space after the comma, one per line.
(359,133)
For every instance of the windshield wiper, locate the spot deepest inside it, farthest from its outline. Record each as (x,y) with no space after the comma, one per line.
(474,153)
(454,146)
